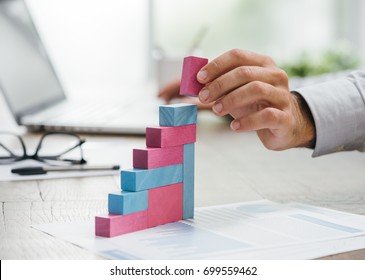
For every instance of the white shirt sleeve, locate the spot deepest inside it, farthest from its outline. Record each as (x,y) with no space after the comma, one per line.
(338,109)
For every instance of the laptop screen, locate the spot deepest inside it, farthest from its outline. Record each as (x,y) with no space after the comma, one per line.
(27,78)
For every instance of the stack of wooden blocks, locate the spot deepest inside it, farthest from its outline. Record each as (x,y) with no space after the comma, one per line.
(160,187)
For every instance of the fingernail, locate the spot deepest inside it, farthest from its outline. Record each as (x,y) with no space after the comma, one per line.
(204,94)
(202,75)
(217,108)
(235,125)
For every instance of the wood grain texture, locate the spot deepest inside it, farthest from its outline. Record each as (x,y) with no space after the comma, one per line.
(135,180)
(189,83)
(19,240)
(20,191)
(169,136)
(113,225)
(165,205)
(157,157)
(127,202)
(178,114)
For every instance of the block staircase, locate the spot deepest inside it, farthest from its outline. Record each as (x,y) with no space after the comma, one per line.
(160,187)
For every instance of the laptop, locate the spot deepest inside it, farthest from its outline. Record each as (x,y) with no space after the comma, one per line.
(36,97)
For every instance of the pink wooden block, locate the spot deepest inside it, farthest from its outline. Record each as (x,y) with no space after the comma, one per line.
(157,157)
(169,136)
(165,204)
(112,225)
(189,83)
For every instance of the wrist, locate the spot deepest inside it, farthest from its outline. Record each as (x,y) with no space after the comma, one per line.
(306,127)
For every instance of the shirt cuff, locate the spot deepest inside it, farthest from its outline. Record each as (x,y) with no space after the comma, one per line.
(338,111)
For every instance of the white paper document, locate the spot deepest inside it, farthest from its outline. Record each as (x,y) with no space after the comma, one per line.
(251,230)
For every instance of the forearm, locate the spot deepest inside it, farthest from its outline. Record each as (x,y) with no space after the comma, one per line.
(338,111)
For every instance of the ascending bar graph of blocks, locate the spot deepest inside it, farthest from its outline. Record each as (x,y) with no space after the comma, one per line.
(159,189)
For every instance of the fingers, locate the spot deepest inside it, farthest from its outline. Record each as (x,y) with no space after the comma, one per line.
(274,128)
(255,95)
(240,76)
(204,106)
(230,60)
(170,91)
(193,100)
(268,118)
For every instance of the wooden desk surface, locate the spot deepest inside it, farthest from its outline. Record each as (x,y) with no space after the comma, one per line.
(230,167)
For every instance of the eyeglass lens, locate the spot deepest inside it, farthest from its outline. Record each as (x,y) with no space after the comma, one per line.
(11,147)
(59,146)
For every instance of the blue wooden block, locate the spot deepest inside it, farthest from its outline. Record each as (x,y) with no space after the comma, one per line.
(188,179)
(136,180)
(127,202)
(178,114)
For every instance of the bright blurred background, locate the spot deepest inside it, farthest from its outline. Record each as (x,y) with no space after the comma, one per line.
(97,44)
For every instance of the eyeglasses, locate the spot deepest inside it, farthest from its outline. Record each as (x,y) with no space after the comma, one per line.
(53,148)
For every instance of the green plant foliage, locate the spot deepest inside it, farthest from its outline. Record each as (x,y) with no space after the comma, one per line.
(329,61)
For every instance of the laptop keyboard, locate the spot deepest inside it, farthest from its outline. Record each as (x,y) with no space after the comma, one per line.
(97,116)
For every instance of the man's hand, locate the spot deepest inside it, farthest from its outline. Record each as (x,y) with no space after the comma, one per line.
(170,91)
(255,92)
